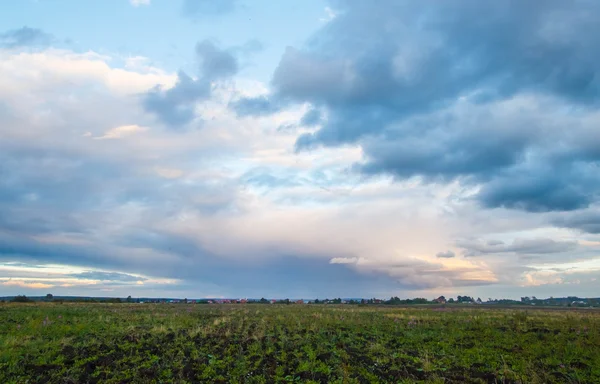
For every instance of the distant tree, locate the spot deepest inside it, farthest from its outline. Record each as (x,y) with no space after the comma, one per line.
(21,299)
(264,301)
(465,299)
(451,300)
(129,300)
(49,297)
(317,301)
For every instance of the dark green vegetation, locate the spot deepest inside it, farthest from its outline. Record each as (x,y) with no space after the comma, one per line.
(144,343)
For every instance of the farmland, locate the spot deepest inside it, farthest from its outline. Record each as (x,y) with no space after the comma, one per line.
(144,343)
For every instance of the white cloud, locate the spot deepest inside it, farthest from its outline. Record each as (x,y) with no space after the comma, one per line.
(330,14)
(25,284)
(122,131)
(344,260)
(43,72)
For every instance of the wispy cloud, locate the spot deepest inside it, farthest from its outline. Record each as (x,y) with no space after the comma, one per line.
(25,37)
(137,3)
(121,132)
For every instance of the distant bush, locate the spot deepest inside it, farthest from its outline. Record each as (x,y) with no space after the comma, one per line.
(21,299)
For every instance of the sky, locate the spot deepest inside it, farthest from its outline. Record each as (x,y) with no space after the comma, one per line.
(299,148)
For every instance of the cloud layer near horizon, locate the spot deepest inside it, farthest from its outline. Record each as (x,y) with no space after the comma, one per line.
(456,157)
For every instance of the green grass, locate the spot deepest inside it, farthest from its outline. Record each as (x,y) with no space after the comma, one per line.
(145,343)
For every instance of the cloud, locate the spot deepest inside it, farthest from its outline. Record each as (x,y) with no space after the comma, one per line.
(538,246)
(25,37)
(587,221)
(25,284)
(176,106)
(214,62)
(311,118)
(254,106)
(169,173)
(343,260)
(122,131)
(416,273)
(68,278)
(137,3)
(202,9)
(108,276)
(445,255)
(330,14)
(450,98)
(231,209)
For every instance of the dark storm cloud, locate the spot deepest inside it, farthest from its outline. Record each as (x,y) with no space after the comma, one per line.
(539,246)
(175,106)
(389,64)
(447,151)
(395,58)
(25,37)
(539,192)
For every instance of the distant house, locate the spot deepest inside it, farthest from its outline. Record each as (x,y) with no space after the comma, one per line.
(300,302)
(273,301)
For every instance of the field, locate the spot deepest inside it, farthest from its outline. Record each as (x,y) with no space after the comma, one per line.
(145,343)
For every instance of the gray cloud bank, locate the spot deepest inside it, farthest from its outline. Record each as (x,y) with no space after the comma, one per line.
(428,90)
